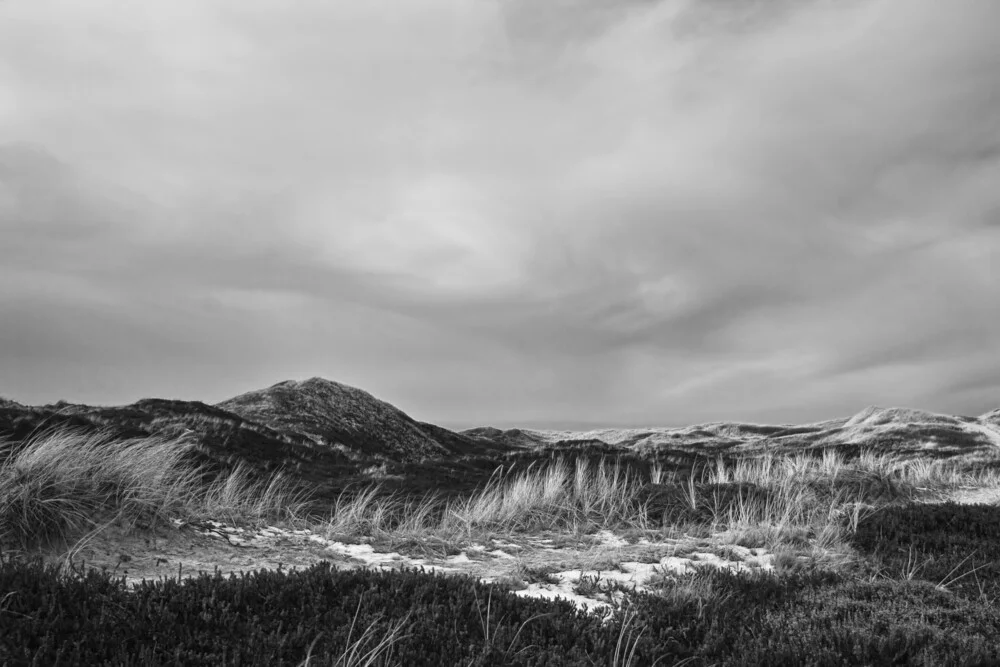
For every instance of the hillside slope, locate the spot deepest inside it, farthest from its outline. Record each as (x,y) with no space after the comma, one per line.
(338,415)
(901,430)
(221,439)
(334,435)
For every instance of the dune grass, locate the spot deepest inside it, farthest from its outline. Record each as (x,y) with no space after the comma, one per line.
(803,503)
(373,647)
(809,502)
(63,483)
(561,497)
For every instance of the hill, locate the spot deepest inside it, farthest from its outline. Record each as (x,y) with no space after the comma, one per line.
(337,415)
(901,430)
(333,436)
(220,440)
(328,435)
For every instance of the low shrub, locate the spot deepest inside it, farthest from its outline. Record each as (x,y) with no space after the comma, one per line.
(948,544)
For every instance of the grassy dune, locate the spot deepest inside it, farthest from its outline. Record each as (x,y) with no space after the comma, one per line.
(64,484)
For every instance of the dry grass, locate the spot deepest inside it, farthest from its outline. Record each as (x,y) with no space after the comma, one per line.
(561,497)
(64,483)
(556,497)
(373,647)
(806,505)
(810,503)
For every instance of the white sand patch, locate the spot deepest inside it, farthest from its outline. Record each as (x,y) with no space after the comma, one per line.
(975,496)
(636,576)
(506,545)
(989,431)
(609,539)
(366,554)
(761,562)
(743,552)
(565,591)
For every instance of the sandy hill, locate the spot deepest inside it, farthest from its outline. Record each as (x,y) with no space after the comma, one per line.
(338,415)
(221,439)
(514,438)
(991,417)
(902,430)
(7,403)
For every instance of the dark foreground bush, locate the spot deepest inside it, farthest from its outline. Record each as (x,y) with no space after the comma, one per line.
(954,545)
(860,485)
(817,619)
(278,618)
(273,617)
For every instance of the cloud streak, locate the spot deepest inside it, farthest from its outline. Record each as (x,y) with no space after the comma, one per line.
(493,211)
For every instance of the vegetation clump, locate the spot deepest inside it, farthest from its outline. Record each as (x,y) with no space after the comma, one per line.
(955,547)
(58,485)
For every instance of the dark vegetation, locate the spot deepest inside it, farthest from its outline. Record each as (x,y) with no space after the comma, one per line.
(676,503)
(336,414)
(417,618)
(955,547)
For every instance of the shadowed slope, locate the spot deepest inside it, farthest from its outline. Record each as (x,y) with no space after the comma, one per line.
(7,403)
(336,414)
(222,440)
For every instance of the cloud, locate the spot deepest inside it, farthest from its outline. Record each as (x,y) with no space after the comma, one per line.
(647,211)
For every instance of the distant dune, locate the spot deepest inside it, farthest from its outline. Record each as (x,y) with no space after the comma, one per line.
(991,417)
(322,428)
(902,430)
(7,403)
(337,414)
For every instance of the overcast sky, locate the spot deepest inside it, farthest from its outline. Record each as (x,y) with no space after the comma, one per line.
(506,212)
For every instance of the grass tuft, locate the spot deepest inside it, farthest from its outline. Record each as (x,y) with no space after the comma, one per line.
(62,483)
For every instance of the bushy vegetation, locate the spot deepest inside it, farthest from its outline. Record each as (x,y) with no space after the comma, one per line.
(954,547)
(816,618)
(278,618)
(322,616)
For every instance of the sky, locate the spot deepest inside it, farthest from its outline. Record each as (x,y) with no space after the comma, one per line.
(568,213)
